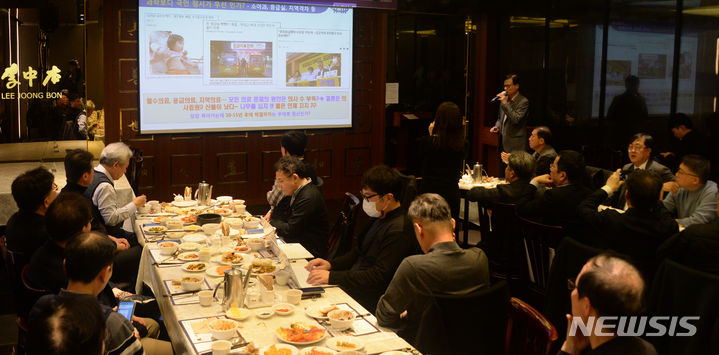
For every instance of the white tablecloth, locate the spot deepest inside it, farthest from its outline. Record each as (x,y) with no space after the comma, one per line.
(259,331)
(9,171)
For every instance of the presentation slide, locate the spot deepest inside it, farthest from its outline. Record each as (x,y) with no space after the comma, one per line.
(647,53)
(214,66)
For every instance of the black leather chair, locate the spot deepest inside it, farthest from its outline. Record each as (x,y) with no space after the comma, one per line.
(501,239)
(340,240)
(679,290)
(540,244)
(470,325)
(570,258)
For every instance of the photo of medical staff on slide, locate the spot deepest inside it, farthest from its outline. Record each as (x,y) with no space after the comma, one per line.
(240,59)
(314,69)
(168,55)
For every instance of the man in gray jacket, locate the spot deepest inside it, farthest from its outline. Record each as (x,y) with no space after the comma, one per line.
(512,119)
(693,199)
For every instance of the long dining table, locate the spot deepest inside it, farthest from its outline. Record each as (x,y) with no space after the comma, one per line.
(182,313)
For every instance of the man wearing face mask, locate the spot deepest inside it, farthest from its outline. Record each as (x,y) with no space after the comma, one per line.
(366,270)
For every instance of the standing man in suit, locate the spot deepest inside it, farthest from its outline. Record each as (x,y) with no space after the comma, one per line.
(512,120)
(640,150)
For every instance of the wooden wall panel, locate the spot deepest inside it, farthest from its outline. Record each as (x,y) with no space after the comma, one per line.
(241,163)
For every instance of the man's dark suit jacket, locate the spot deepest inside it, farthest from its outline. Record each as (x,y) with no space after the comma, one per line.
(634,233)
(617,200)
(696,247)
(514,129)
(558,207)
(518,192)
(306,222)
(544,160)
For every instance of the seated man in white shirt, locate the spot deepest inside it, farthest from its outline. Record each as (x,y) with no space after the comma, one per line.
(114,160)
(692,199)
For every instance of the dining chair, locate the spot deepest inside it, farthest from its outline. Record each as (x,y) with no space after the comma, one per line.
(501,236)
(340,240)
(683,291)
(468,325)
(570,258)
(529,332)
(540,244)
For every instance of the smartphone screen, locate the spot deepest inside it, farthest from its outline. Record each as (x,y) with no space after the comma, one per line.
(126,309)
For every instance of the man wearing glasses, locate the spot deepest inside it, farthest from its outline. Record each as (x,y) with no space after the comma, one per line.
(512,119)
(693,198)
(640,152)
(33,192)
(366,270)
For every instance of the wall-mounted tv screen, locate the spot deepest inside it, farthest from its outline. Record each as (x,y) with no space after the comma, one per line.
(212,66)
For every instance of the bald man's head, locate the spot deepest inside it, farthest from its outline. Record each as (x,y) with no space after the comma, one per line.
(613,286)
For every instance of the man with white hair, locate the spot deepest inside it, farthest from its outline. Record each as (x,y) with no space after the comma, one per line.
(606,286)
(113,164)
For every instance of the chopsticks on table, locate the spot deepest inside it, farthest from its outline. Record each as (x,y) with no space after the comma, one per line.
(181,293)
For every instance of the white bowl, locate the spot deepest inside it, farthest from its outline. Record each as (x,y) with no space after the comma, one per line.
(238,313)
(210,228)
(190,246)
(255,244)
(167,248)
(233,233)
(283,309)
(252,223)
(194,238)
(235,223)
(223,328)
(191,283)
(265,313)
(341,318)
(174,224)
(224,199)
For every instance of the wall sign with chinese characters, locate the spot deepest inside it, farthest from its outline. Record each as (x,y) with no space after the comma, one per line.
(11,77)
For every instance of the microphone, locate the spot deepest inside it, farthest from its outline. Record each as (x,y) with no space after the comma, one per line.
(497,97)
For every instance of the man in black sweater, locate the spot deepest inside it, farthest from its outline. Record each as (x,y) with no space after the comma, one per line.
(306,222)
(33,191)
(366,270)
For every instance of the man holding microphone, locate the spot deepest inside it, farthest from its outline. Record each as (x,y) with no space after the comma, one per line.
(512,119)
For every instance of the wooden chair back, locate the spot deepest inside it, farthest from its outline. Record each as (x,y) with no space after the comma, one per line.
(501,234)
(540,244)
(528,331)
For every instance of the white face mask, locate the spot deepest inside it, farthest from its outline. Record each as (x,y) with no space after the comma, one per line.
(370,208)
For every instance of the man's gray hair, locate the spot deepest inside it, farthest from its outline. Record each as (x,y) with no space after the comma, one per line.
(522,163)
(115,152)
(429,208)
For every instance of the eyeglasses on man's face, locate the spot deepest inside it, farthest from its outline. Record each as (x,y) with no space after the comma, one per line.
(635,147)
(369,197)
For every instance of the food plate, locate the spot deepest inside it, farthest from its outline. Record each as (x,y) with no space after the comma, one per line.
(265,313)
(218,271)
(232,258)
(194,267)
(189,256)
(160,219)
(317,350)
(192,228)
(342,343)
(154,229)
(189,219)
(315,311)
(184,203)
(277,349)
(300,333)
